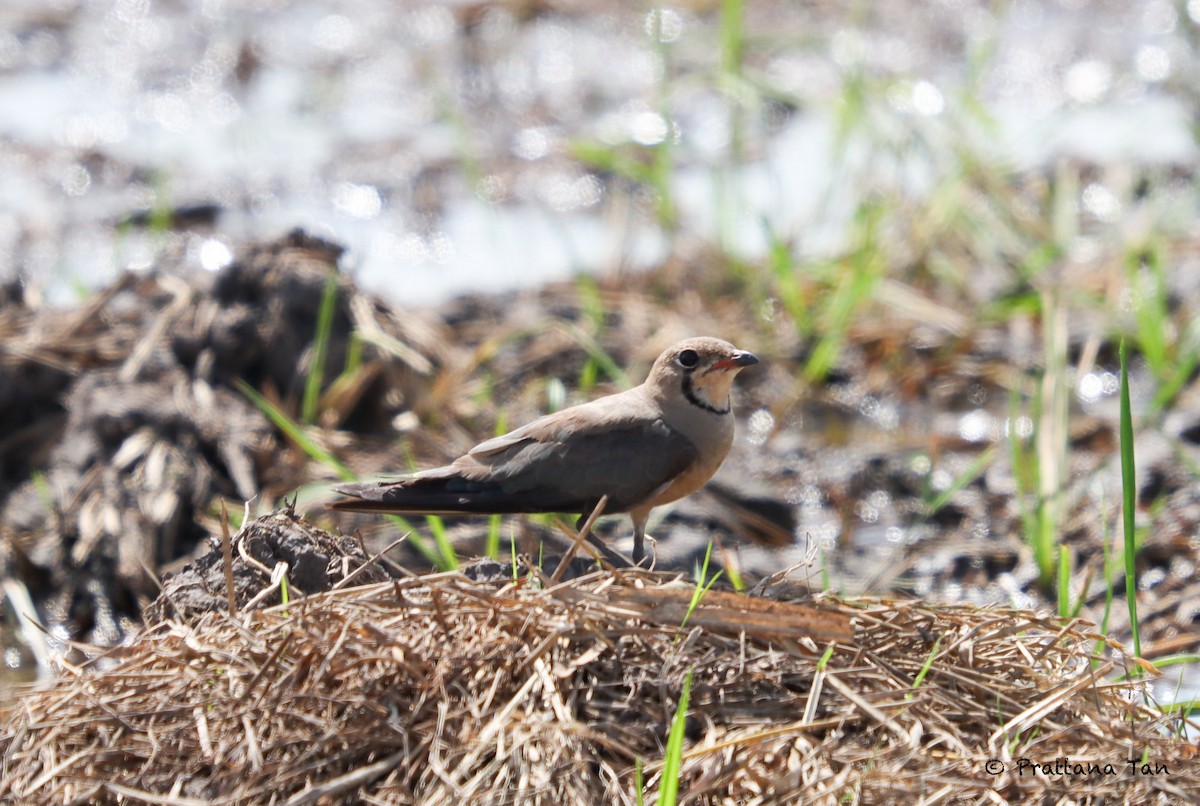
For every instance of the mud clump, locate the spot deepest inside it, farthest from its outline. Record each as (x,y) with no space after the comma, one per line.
(276,553)
(126,419)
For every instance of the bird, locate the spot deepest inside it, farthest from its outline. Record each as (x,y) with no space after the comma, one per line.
(642,448)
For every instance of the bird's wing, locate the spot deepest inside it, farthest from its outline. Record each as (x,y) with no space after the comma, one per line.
(629,465)
(617,446)
(564,462)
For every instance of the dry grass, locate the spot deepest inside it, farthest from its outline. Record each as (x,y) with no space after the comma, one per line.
(439,689)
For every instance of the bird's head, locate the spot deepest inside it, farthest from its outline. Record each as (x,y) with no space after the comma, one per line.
(701,370)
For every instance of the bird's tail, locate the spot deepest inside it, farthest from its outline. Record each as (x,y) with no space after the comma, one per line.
(431,494)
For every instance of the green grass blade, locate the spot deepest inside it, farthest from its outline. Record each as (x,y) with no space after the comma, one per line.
(443,556)
(1084,586)
(1129,498)
(41,487)
(610,159)
(316,372)
(973,471)
(782,266)
(925,667)
(354,354)
(1167,661)
(1043,541)
(1148,283)
(668,787)
(492,545)
(735,576)
(447,559)
(1109,573)
(512,545)
(857,277)
(825,657)
(1024,468)
(733,42)
(598,354)
(703,584)
(732,13)
(1064,583)
(1187,709)
(417,542)
(588,375)
(1052,437)
(293,431)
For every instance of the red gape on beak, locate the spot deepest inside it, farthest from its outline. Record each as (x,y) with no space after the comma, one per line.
(738,359)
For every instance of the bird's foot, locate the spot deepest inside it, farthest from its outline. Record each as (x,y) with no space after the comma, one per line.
(640,558)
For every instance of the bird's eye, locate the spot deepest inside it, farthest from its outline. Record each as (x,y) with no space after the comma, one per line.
(688,359)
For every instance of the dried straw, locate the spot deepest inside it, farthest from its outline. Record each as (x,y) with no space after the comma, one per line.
(437,689)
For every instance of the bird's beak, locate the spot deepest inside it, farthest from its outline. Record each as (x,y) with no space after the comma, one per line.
(738,360)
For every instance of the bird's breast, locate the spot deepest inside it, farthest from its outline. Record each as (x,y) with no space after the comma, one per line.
(711,454)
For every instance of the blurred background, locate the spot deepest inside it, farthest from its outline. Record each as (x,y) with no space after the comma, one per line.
(936,221)
(472,146)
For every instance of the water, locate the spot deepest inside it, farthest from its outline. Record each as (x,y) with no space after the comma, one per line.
(436,140)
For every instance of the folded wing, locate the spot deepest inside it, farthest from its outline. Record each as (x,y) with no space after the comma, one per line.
(561,463)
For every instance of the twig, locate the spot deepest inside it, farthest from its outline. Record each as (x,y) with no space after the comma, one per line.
(227,558)
(597,511)
(347,782)
(345,581)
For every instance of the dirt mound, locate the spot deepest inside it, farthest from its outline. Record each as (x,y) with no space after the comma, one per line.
(275,557)
(440,689)
(124,420)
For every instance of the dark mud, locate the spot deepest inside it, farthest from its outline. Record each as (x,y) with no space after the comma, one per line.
(312,560)
(125,430)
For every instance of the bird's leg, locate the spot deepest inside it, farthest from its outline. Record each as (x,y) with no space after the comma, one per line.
(639,534)
(614,557)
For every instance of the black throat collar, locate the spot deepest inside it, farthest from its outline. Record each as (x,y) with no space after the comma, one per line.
(689,391)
